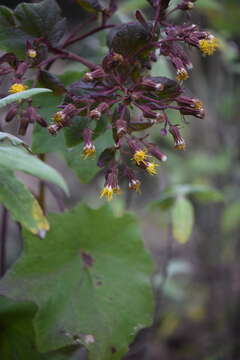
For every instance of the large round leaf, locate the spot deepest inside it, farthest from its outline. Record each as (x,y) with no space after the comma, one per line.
(90,280)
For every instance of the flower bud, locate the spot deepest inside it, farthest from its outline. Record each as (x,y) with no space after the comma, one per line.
(89,148)
(121,126)
(53,129)
(94,75)
(133,182)
(179,142)
(111,184)
(32,54)
(12,112)
(155,151)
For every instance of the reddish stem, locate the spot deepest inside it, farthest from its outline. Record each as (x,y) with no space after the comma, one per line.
(81,37)
(78,28)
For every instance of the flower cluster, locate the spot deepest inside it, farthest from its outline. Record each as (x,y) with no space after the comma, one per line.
(121,90)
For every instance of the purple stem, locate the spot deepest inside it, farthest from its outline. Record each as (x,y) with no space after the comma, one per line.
(81,37)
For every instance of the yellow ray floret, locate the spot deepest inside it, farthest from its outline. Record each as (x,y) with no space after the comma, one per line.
(182,74)
(32,53)
(107,192)
(198,104)
(135,185)
(180,145)
(151,168)
(140,156)
(58,117)
(89,150)
(209,46)
(16,88)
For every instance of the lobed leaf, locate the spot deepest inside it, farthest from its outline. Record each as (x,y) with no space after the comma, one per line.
(17,336)
(102,256)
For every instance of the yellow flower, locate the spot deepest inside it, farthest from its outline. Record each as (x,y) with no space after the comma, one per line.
(16,88)
(182,74)
(180,145)
(58,117)
(88,150)
(135,185)
(190,5)
(32,53)
(107,192)
(209,46)
(140,156)
(117,190)
(198,104)
(151,168)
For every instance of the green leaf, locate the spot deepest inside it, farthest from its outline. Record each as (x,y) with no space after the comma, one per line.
(42,141)
(74,134)
(182,219)
(209,5)
(90,5)
(6,16)
(17,333)
(51,82)
(21,203)
(127,39)
(130,6)
(202,193)
(17,337)
(12,39)
(42,19)
(22,95)
(89,278)
(7,138)
(86,169)
(15,158)
(231,217)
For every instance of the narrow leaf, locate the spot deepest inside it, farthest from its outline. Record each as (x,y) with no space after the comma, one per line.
(182,220)
(20,202)
(13,140)
(22,95)
(15,158)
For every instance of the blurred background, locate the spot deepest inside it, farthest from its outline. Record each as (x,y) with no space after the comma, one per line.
(197,278)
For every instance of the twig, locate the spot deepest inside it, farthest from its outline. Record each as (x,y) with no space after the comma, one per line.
(78,28)
(81,37)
